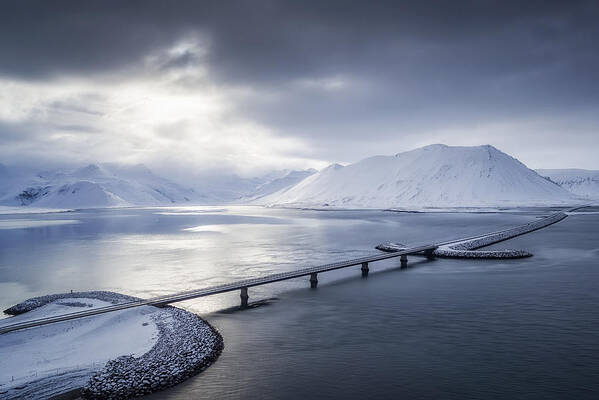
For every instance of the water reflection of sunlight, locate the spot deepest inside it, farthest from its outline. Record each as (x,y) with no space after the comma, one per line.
(222,228)
(189,210)
(158,264)
(207,228)
(192,212)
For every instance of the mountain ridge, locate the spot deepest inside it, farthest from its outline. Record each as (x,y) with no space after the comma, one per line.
(581,182)
(104,185)
(436,175)
(119,185)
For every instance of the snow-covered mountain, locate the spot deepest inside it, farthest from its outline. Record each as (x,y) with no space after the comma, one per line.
(105,185)
(582,182)
(114,185)
(284,180)
(236,189)
(431,176)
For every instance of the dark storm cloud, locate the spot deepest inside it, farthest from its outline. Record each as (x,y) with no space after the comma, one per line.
(404,67)
(42,38)
(269,40)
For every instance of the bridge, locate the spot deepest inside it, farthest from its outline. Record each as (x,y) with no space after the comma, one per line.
(243,285)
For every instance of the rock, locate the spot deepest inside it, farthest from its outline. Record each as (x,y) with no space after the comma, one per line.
(186,345)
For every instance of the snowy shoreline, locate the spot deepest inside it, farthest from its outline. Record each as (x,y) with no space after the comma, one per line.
(488,209)
(185,346)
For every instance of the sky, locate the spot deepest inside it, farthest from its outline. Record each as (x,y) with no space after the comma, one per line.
(194,88)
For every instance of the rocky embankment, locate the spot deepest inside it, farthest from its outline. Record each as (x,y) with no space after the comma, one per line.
(186,345)
(36,302)
(468,248)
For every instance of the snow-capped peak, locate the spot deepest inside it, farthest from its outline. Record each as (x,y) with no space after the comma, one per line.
(332,167)
(104,185)
(432,176)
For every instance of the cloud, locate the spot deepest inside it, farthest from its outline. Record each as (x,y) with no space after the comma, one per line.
(246,85)
(143,118)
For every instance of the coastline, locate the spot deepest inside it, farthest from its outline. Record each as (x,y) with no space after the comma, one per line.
(468,248)
(186,345)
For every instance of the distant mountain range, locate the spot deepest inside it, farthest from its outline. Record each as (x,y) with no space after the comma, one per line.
(288,179)
(431,176)
(113,185)
(105,185)
(582,182)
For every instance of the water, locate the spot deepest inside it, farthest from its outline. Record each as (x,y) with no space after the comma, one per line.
(446,328)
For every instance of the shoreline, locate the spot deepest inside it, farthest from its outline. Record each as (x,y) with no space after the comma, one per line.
(474,209)
(186,345)
(468,248)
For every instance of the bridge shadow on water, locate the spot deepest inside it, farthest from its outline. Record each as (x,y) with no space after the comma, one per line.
(373,273)
(340,281)
(254,304)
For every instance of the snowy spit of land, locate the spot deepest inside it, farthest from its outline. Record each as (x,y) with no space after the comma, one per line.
(8,210)
(114,355)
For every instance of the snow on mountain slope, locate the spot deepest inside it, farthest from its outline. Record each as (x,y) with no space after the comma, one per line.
(107,185)
(581,182)
(431,176)
(289,179)
(231,188)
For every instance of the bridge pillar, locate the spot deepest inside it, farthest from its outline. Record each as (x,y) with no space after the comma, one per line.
(313,280)
(404,260)
(429,254)
(364,269)
(244,297)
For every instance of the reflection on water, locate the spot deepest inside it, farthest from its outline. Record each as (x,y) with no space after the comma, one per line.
(147,252)
(466,329)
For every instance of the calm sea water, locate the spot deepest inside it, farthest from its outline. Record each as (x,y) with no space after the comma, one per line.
(525,329)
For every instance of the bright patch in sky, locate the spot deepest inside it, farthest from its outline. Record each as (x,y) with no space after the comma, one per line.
(201,90)
(177,120)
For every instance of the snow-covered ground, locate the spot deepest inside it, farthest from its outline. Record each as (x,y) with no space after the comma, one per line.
(582,182)
(431,176)
(66,354)
(120,354)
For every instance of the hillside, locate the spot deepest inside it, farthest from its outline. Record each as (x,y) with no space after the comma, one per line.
(431,176)
(582,182)
(115,185)
(105,185)
(288,179)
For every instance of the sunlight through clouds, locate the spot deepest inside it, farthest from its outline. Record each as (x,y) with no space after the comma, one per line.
(177,116)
